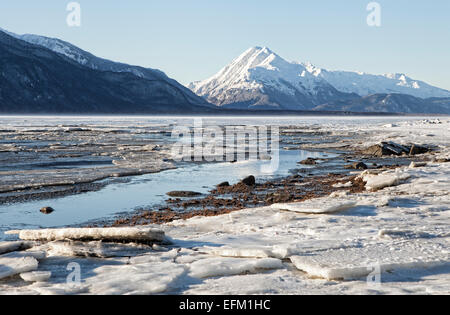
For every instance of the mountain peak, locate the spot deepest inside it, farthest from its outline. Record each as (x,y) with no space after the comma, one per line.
(259,53)
(260,77)
(259,49)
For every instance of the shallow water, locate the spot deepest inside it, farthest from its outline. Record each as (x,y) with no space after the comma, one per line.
(141,192)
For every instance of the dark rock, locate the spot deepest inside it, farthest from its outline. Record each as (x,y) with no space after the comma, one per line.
(375,150)
(386,148)
(357,166)
(47,210)
(224,184)
(183,194)
(416,149)
(249,181)
(309,161)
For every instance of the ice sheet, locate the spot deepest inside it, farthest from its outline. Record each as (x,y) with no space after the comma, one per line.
(317,206)
(131,234)
(219,267)
(13,264)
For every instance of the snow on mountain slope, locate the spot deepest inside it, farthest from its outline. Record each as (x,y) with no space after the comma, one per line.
(365,84)
(89,60)
(260,77)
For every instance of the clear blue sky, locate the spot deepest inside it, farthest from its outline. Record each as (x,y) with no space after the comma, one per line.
(192,39)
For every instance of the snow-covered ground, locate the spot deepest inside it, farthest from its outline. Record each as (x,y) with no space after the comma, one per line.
(395,240)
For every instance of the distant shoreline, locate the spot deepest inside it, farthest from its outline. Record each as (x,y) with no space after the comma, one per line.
(230,113)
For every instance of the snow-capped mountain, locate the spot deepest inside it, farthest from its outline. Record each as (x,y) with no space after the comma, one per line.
(261,78)
(365,84)
(89,60)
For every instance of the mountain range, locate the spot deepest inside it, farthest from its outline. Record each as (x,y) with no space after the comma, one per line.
(47,75)
(261,79)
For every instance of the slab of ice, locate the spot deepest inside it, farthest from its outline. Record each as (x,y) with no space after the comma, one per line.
(242,252)
(357,262)
(127,234)
(141,279)
(317,206)
(387,179)
(97,249)
(283,251)
(36,276)
(7,247)
(12,264)
(217,267)
(154,257)
(343,185)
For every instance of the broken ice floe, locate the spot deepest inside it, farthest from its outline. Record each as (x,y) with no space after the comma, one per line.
(216,267)
(343,185)
(7,247)
(141,279)
(385,179)
(15,263)
(97,249)
(36,276)
(240,252)
(357,262)
(317,206)
(126,234)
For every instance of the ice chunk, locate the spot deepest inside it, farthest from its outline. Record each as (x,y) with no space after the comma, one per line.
(356,262)
(283,251)
(7,247)
(317,206)
(216,267)
(94,249)
(126,234)
(11,265)
(383,180)
(244,252)
(36,276)
(154,257)
(141,279)
(343,185)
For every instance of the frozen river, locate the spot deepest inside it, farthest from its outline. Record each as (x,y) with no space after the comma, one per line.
(37,139)
(350,239)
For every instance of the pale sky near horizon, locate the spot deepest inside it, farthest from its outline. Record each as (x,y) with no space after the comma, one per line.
(193,39)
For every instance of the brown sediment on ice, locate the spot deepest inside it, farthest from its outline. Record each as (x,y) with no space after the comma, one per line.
(224,200)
